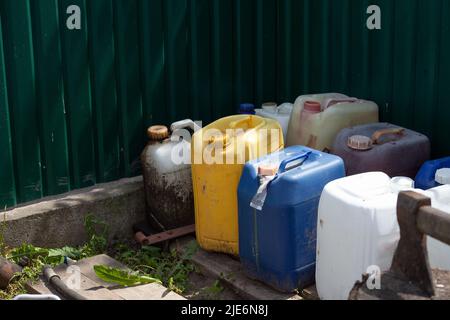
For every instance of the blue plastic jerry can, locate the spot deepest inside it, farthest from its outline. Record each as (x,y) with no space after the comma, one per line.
(433,174)
(278,198)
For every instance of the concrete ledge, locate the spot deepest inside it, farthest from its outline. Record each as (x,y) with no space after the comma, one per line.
(59,221)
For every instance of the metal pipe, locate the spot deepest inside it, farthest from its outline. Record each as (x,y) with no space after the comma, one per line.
(142,239)
(7,272)
(55,281)
(35,297)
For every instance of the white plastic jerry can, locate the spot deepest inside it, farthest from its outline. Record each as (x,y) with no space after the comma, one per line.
(438,252)
(280,113)
(357,230)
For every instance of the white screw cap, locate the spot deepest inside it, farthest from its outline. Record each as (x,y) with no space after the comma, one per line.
(270,107)
(443,176)
(399,184)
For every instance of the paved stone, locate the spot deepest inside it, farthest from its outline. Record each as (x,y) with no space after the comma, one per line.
(152,291)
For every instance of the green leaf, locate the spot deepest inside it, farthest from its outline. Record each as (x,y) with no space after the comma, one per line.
(70,252)
(152,251)
(26,250)
(122,277)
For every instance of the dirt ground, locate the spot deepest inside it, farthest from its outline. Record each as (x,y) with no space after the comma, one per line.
(205,288)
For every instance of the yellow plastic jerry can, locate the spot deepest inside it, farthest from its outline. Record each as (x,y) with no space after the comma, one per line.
(219,152)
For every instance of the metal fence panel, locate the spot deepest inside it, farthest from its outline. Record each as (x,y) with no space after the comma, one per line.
(74,104)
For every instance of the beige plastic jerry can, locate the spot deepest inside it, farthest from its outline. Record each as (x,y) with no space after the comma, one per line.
(317,119)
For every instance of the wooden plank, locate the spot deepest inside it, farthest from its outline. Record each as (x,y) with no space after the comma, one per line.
(310,293)
(90,289)
(225,268)
(87,268)
(434,223)
(94,288)
(153,291)
(411,257)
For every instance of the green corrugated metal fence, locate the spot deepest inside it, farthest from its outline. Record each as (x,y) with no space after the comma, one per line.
(74,104)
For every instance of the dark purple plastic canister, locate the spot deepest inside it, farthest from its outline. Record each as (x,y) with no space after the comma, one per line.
(382,147)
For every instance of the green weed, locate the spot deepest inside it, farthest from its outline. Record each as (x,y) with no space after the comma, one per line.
(171,268)
(34,258)
(215,290)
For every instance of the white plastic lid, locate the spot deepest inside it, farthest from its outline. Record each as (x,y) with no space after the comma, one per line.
(443,176)
(399,184)
(270,106)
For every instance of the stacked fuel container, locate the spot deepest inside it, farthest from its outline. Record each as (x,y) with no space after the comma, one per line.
(358,231)
(281,113)
(383,147)
(278,202)
(434,173)
(317,119)
(167,181)
(219,152)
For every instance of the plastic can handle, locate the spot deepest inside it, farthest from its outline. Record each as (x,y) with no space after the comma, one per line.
(328,103)
(297,157)
(184,124)
(378,134)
